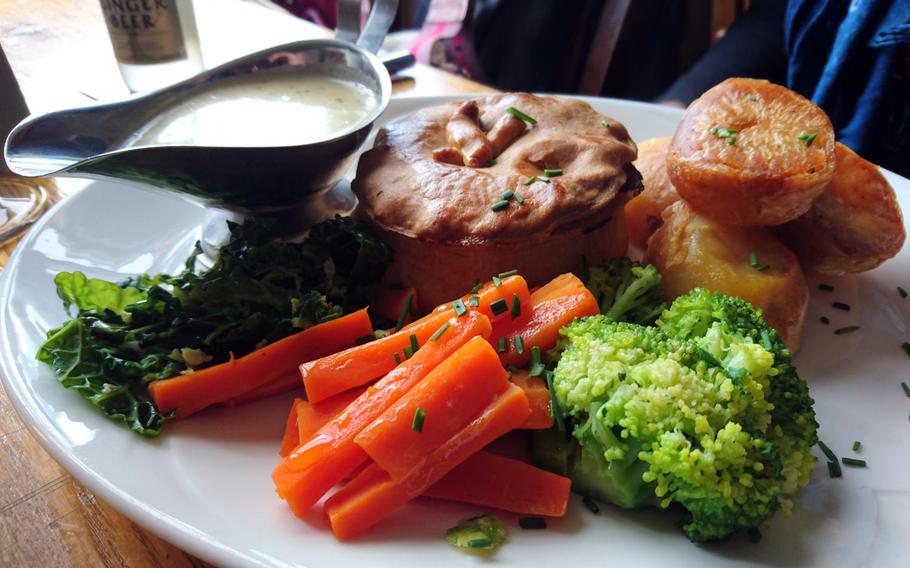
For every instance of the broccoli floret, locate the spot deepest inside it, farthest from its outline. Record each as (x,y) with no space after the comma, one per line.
(703,410)
(626,290)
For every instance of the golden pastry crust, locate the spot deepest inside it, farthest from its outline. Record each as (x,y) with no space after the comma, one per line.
(749,152)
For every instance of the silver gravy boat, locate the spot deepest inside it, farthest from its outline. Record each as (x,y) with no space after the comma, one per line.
(95,141)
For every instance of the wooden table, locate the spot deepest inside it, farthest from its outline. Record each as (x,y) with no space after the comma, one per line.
(61,55)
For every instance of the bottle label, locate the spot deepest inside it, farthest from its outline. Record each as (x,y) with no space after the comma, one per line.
(144,31)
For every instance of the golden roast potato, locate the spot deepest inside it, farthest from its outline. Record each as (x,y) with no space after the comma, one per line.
(643,211)
(691,251)
(749,152)
(854,226)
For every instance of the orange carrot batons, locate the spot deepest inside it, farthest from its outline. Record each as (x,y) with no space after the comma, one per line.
(434,410)
(187,394)
(291,437)
(538,399)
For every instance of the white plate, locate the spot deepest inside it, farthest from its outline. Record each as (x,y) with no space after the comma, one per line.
(205,485)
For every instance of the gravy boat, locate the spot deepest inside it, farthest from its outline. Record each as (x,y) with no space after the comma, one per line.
(95,141)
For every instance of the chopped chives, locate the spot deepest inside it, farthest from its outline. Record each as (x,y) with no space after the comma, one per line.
(473,301)
(723,132)
(519,345)
(753,262)
(405,310)
(419,416)
(397,358)
(544,179)
(512,369)
(605,123)
(502,345)
(752,98)
(530,180)
(824,320)
(841,306)
(508,273)
(826,287)
(517,113)
(476,288)
(902,292)
(459,307)
(846,330)
(834,469)
(480,542)
(857,446)
(414,344)
(731,140)
(803,136)
(591,504)
(499,205)
(507,194)
(408,352)
(516,306)
(827,451)
(906,347)
(532,523)
(537,367)
(435,337)
(810,140)
(497,281)
(754,535)
(499,307)
(519,198)
(854,462)
(554,172)
(906,389)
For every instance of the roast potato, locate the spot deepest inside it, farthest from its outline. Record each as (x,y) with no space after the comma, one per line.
(643,211)
(854,226)
(749,152)
(691,251)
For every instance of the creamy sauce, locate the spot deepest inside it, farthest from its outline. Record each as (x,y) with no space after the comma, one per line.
(286,109)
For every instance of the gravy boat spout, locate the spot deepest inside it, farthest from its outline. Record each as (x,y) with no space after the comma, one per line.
(103,140)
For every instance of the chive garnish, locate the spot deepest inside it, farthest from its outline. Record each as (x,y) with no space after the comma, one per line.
(906,347)
(508,273)
(530,180)
(810,140)
(731,140)
(497,281)
(752,98)
(397,358)
(512,369)
(846,330)
(902,292)
(754,535)
(537,368)
(854,462)
(480,542)
(591,504)
(405,310)
(555,172)
(906,389)
(803,136)
(414,345)
(723,132)
(824,320)
(408,352)
(476,288)
(605,123)
(519,345)
(753,262)
(834,469)
(841,306)
(473,301)
(517,113)
(507,194)
(827,451)
(519,198)
(516,306)
(499,307)
(502,345)
(499,205)
(459,307)
(532,523)
(544,179)
(826,287)
(419,417)
(857,446)
(435,337)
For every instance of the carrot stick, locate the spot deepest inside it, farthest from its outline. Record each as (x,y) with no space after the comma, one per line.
(552,306)
(491,480)
(313,416)
(330,454)
(372,495)
(448,398)
(538,399)
(359,365)
(491,298)
(187,394)
(288,381)
(291,438)
(389,304)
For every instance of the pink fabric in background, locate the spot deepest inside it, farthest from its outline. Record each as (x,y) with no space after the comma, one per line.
(321,12)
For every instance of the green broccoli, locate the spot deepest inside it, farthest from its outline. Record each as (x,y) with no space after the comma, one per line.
(703,409)
(626,290)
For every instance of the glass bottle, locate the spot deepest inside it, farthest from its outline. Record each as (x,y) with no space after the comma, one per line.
(155,41)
